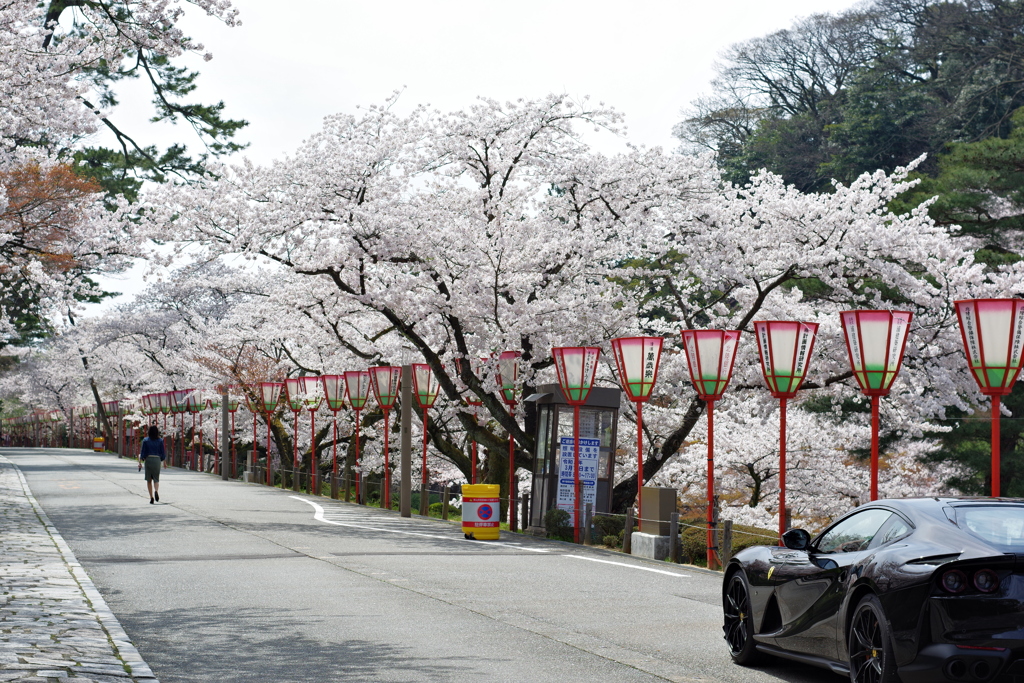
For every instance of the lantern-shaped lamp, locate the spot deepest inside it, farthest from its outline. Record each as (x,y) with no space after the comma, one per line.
(384,380)
(234,398)
(508,376)
(309,386)
(193,401)
(334,390)
(993,336)
(232,401)
(293,393)
(357,387)
(424,389)
(710,356)
(785,348)
(270,396)
(875,341)
(472,400)
(576,367)
(637,359)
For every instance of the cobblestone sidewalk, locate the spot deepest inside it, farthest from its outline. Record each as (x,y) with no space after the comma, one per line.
(54,624)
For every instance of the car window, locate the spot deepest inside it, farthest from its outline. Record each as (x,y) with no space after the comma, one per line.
(853,533)
(1001,525)
(896,527)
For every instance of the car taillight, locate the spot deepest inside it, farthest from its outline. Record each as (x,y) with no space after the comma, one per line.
(954,581)
(986,581)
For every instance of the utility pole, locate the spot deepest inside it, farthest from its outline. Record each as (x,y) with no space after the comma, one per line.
(225,436)
(405,505)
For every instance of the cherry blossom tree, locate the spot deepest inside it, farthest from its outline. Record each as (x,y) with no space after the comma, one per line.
(58,63)
(460,235)
(389,239)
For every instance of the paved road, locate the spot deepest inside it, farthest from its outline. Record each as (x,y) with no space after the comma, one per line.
(224,581)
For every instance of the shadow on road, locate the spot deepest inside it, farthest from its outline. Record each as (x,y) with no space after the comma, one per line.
(261,645)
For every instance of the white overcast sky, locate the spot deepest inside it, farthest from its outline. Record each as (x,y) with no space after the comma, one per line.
(290,64)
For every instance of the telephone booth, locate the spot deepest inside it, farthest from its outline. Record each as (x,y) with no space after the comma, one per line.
(599,418)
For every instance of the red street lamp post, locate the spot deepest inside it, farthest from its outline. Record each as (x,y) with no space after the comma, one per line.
(126,408)
(425,388)
(178,407)
(474,402)
(508,375)
(252,404)
(357,387)
(193,404)
(233,404)
(312,399)
(270,395)
(710,355)
(109,409)
(334,389)
(637,359)
(785,348)
(384,381)
(993,336)
(576,367)
(875,341)
(164,399)
(213,403)
(292,388)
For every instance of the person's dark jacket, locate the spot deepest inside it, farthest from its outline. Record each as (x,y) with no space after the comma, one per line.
(152,447)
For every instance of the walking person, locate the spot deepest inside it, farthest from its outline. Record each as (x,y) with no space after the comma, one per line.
(151,455)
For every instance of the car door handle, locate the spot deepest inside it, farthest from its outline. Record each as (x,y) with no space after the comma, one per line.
(843,574)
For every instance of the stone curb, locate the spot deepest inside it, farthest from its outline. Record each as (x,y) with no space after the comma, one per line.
(126,651)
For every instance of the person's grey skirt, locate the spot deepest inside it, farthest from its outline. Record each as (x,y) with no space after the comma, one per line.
(152,466)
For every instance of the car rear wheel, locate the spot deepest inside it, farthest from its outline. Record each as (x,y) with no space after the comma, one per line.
(871,657)
(739,626)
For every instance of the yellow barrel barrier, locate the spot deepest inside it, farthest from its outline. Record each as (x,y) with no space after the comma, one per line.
(481,510)
(97,444)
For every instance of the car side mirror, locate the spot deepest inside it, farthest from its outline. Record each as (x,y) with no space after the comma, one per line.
(796,539)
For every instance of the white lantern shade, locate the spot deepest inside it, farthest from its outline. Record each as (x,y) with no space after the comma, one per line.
(424,385)
(334,389)
(270,395)
(710,355)
(637,359)
(311,396)
(785,348)
(384,381)
(576,367)
(357,386)
(508,375)
(876,341)
(993,336)
(293,393)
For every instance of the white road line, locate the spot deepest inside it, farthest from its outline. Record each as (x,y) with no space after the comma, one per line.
(631,566)
(319,516)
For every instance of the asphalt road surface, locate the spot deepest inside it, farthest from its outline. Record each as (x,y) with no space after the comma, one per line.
(224,581)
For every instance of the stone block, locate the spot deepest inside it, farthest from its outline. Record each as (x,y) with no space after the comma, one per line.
(649,545)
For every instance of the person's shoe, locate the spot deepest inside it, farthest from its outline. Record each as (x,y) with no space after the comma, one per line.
(157,496)
(150,501)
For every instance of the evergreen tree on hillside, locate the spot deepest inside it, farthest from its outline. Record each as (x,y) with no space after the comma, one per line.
(874,87)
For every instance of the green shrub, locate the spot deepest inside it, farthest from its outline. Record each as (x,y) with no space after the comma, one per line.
(612,541)
(415,498)
(556,522)
(606,525)
(693,541)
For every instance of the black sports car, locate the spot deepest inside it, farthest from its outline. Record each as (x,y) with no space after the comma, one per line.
(926,589)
